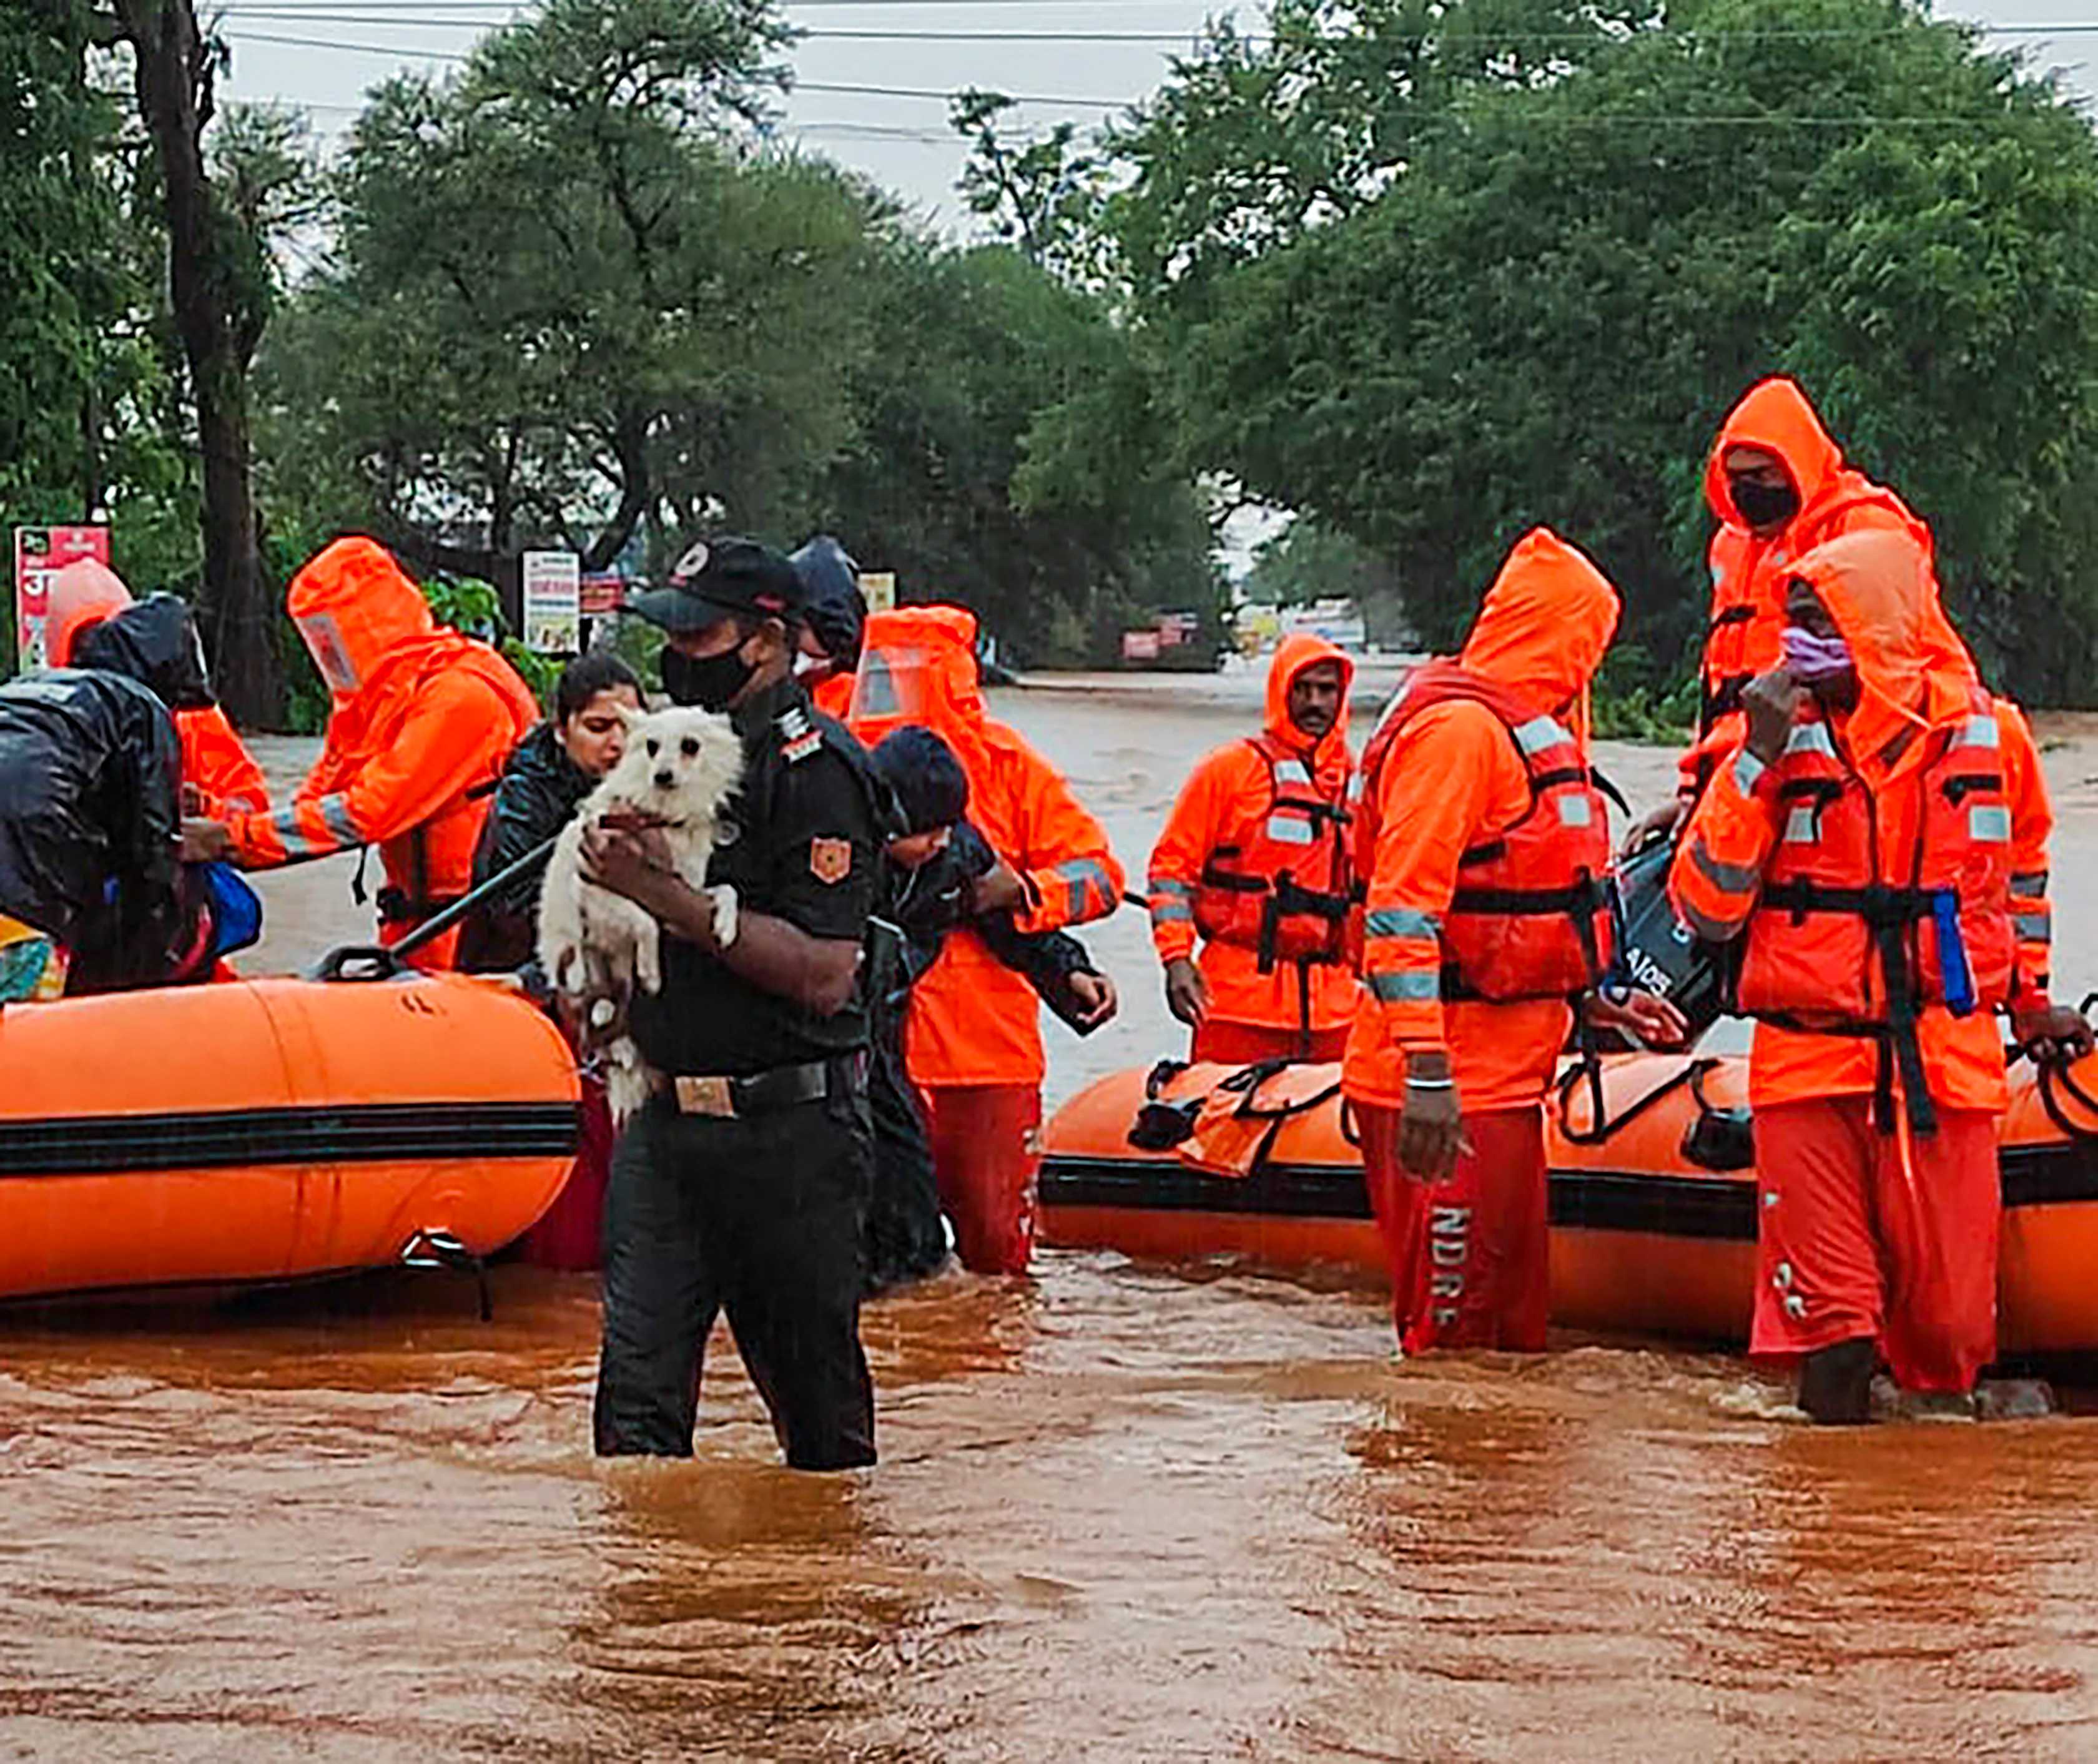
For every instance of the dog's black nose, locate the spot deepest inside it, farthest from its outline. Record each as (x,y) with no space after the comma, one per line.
(665,779)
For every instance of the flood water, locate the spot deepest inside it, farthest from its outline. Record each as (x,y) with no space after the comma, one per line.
(1122,1513)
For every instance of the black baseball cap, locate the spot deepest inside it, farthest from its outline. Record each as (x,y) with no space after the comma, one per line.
(716,578)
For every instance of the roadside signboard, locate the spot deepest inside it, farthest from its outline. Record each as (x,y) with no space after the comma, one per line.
(40,554)
(553,603)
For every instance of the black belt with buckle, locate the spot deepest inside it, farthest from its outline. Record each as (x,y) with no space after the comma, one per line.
(764,1093)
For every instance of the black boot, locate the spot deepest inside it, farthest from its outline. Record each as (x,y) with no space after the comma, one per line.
(1835,1382)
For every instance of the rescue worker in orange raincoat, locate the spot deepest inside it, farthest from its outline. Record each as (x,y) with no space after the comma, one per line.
(424,719)
(1256,861)
(1779,486)
(220,777)
(973,1037)
(1483,844)
(1877,844)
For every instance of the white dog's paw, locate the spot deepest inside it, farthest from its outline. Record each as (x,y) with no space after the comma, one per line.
(626,1081)
(727,916)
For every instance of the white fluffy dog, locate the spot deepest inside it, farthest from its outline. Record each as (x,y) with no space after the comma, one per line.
(680,766)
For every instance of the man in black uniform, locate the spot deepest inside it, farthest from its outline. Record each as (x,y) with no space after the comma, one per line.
(744,1183)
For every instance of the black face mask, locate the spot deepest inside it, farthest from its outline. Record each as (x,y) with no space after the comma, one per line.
(709,682)
(1763,505)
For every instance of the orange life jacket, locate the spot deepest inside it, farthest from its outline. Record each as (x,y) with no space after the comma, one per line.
(1530,918)
(1846,935)
(1288,890)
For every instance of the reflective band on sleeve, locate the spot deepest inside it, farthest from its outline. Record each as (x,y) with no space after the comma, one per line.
(285,823)
(1981,732)
(1576,811)
(1170,912)
(1291,772)
(1800,828)
(1420,986)
(335,815)
(2032,885)
(1079,875)
(1402,922)
(1990,823)
(2035,927)
(1712,930)
(1166,885)
(1747,769)
(1290,830)
(1809,738)
(1539,734)
(1728,878)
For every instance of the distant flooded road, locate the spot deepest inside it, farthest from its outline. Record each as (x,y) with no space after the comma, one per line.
(1122,1514)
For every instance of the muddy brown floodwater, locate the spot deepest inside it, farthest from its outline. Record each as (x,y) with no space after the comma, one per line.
(1122,1513)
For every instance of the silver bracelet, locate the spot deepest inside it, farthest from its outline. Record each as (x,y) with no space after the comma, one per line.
(1431,1084)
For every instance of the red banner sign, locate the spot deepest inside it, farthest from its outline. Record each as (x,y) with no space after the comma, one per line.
(40,554)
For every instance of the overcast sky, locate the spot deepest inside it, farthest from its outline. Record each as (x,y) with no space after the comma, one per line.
(903,142)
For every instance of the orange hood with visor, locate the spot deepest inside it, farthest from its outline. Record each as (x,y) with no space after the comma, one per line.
(84,593)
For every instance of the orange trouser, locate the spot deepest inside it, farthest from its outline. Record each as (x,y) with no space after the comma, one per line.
(1246,1044)
(1850,1245)
(1468,1257)
(986,1154)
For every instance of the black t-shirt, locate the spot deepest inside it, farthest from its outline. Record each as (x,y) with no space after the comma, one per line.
(806,848)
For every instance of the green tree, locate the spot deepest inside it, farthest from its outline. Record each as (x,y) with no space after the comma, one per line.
(567,302)
(1538,309)
(1012,454)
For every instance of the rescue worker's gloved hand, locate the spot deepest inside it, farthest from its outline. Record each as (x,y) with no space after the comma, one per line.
(2054,1033)
(1186,993)
(1771,701)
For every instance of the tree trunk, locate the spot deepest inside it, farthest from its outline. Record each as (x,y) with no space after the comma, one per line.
(173,81)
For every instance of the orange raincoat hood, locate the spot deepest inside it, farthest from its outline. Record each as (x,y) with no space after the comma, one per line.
(918,664)
(1545,624)
(1329,757)
(84,593)
(1776,416)
(1883,599)
(356,608)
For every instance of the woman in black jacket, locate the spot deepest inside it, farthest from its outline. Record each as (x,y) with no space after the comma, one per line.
(554,767)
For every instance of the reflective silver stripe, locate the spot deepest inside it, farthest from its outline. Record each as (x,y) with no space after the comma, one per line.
(1402,922)
(1729,878)
(1166,885)
(1081,874)
(1800,828)
(1576,811)
(1989,821)
(1290,830)
(2032,885)
(1809,738)
(1170,912)
(1410,987)
(2035,927)
(1355,786)
(1291,772)
(1539,734)
(335,814)
(285,823)
(1747,769)
(1712,930)
(1981,732)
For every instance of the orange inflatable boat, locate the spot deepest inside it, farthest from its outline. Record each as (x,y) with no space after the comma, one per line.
(1653,1218)
(274,1128)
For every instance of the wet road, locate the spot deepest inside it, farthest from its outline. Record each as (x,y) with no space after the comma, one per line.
(1123,1514)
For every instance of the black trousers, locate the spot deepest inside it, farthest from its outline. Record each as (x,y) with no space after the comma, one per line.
(905,1239)
(761,1216)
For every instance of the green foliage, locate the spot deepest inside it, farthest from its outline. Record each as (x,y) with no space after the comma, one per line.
(1308,560)
(475,608)
(1432,289)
